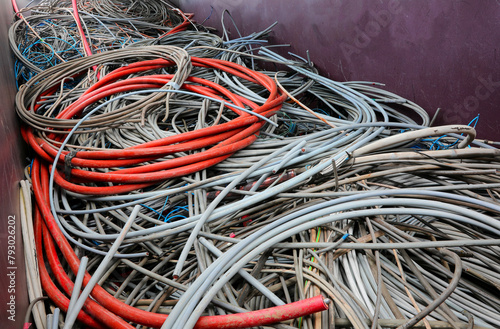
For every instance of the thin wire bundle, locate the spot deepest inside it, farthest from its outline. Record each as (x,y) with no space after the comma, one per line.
(55,32)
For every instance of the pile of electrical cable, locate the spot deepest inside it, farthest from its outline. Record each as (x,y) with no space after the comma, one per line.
(61,107)
(53,33)
(177,185)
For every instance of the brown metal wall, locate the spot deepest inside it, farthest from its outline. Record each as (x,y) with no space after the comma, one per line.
(12,274)
(437,53)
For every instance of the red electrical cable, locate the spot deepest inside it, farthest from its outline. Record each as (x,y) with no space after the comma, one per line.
(16,8)
(127,312)
(160,171)
(180,27)
(225,138)
(264,317)
(124,188)
(59,299)
(91,307)
(86,45)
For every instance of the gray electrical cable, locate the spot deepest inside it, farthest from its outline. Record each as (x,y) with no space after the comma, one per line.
(78,284)
(71,317)
(254,282)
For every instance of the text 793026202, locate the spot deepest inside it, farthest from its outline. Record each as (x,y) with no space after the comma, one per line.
(11,267)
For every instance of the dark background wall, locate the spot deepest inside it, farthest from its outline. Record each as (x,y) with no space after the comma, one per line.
(439,54)
(10,174)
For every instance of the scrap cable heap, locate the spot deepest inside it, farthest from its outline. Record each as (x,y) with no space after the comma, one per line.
(178,185)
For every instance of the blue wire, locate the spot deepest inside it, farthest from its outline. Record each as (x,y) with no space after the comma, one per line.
(16,73)
(168,217)
(163,208)
(176,209)
(320,111)
(474,122)
(141,204)
(175,216)
(44,60)
(31,165)
(437,145)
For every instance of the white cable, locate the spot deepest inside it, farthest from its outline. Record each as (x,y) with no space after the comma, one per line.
(32,274)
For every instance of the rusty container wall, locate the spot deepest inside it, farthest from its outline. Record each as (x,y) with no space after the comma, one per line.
(13,293)
(439,54)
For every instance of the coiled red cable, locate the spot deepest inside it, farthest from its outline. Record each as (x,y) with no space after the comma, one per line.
(225,139)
